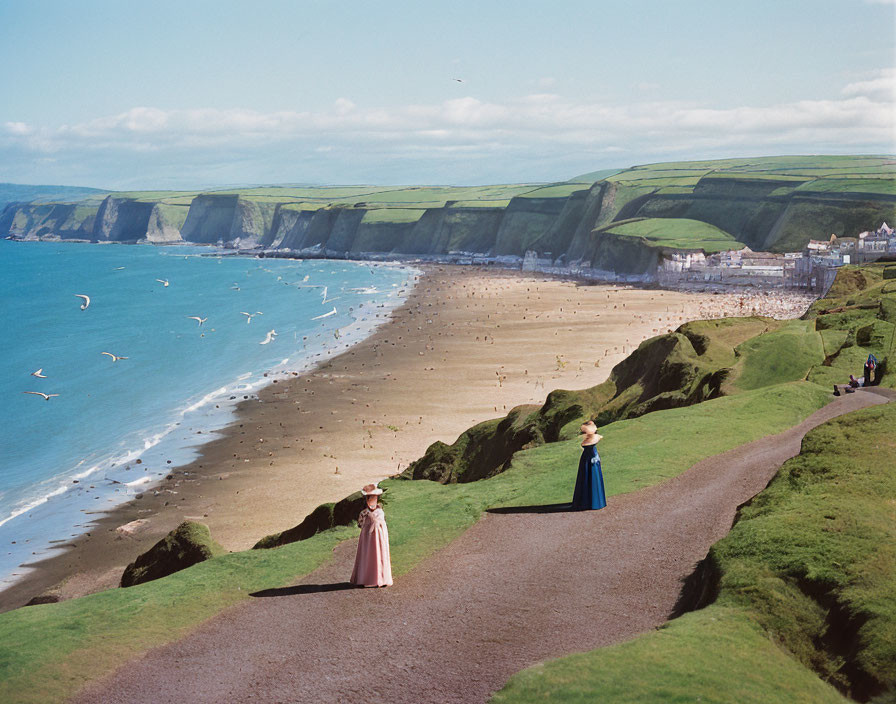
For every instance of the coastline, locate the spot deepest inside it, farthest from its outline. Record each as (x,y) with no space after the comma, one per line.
(432,370)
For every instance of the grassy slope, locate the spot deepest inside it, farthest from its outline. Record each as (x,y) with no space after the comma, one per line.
(48,651)
(677,233)
(826,523)
(857,317)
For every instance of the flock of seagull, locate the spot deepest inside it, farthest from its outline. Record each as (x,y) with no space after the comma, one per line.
(200,320)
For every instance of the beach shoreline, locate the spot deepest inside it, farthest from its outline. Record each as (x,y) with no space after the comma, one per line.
(466,345)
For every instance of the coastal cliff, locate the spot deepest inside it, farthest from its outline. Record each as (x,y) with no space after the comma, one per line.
(775,204)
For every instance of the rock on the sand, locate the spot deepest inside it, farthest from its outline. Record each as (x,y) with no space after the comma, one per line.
(132,527)
(186,545)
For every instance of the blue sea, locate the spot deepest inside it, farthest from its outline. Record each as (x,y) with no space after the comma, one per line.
(65,458)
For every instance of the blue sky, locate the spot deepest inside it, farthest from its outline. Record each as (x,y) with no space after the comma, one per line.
(167,95)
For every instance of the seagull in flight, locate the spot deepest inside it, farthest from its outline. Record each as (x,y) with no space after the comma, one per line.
(270,337)
(197,319)
(164,282)
(39,374)
(325,315)
(249,316)
(114,357)
(86,300)
(46,397)
(459,80)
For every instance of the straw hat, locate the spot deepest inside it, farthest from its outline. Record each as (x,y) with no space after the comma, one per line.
(371,490)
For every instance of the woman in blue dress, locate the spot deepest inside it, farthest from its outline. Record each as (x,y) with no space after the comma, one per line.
(589,492)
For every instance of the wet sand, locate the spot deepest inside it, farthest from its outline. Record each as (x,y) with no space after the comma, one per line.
(468,345)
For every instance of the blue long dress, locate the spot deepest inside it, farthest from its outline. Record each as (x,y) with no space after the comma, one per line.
(589,493)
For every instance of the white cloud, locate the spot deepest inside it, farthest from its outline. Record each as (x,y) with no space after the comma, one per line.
(881,86)
(456,137)
(17,128)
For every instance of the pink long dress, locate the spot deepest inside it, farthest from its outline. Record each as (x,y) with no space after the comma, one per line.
(373,567)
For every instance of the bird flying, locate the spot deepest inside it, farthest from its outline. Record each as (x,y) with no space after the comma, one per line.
(46,397)
(249,316)
(39,374)
(459,80)
(86,300)
(197,319)
(325,315)
(270,336)
(114,357)
(164,282)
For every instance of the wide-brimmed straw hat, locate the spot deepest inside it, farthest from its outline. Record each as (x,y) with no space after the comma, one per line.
(371,490)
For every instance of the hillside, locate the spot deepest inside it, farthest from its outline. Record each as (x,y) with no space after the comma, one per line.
(802,582)
(623,221)
(20,193)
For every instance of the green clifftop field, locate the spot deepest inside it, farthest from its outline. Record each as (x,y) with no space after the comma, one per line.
(617,220)
(802,590)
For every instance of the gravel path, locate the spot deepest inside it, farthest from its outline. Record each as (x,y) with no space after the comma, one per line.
(517,588)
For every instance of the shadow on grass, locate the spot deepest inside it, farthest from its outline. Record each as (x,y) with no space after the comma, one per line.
(305,589)
(541,508)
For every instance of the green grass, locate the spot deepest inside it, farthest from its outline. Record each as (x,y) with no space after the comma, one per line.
(787,354)
(478,204)
(716,656)
(47,652)
(393,215)
(557,190)
(884,185)
(823,533)
(677,233)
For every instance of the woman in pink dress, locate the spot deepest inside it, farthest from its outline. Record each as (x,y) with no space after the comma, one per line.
(373,567)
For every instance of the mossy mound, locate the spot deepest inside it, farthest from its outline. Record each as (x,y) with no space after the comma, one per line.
(481,451)
(183,547)
(326,516)
(673,370)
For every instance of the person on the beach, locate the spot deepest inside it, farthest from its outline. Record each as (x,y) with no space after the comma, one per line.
(589,491)
(373,566)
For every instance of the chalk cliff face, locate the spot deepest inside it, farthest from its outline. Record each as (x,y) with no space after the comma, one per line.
(210,219)
(770,210)
(165,223)
(52,221)
(122,220)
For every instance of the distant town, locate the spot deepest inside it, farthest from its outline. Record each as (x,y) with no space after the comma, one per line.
(812,268)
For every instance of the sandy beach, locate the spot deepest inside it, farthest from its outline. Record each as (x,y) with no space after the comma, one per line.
(468,345)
